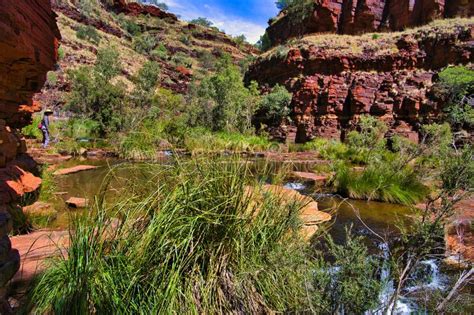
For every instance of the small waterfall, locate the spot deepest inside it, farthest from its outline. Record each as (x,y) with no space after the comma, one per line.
(295,186)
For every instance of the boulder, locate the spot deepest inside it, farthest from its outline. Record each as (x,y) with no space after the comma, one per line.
(77,203)
(75,169)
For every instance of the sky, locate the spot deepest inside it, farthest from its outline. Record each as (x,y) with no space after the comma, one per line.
(235,17)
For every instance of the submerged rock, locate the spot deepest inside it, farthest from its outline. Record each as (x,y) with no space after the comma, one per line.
(75,169)
(75,202)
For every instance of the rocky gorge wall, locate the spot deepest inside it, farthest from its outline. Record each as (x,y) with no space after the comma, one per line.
(337,78)
(28,50)
(362,16)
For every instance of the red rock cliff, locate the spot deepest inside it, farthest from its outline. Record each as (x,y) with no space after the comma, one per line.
(360,16)
(337,78)
(28,50)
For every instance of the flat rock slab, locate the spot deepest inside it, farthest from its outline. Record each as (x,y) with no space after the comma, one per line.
(75,202)
(75,169)
(35,248)
(311,177)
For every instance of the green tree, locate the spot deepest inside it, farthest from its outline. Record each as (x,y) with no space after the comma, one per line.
(456,88)
(201,21)
(89,33)
(144,43)
(276,105)
(145,84)
(264,43)
(94,96)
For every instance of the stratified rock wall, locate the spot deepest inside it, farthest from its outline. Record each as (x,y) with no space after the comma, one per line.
(28,50)
(336,80)
(362,16)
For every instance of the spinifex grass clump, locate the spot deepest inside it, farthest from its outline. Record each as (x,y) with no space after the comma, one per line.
(379,181)
(193,240)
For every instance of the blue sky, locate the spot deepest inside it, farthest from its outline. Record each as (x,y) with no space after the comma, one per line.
(235,17)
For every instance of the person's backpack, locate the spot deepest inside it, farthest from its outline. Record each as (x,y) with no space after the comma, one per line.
(40,126)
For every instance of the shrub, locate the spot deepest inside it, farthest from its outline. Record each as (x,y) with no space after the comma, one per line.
(185,39)
(264,43)
(89,33)
(144,43)
(275,106)
(51,78)
(207,60)
(94,95)
(456,84)
(61,53)
(347,280)
(131,27)
(201,21)
(32,130)
(181,59)
(161,52)
(145,84)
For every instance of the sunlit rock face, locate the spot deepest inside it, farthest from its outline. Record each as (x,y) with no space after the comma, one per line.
(363,16)
(28,50)
(335,78)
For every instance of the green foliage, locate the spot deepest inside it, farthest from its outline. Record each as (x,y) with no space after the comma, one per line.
(185,39)
(89,33)
(275,105)
(223,100)
(51,78)
(161,52)
(146,82)
(131,27)
(87,7)
(240,40)
(375,36)
(264,43)
(32,130)
(94,96)
(196,242)
(349,282)
(370,134)
(203,140)
(80,128)
(458,170)
(207,60)
(142,143)
(283,4)
(201,21)
(299,11)
(144,43)
(381,180)
(456,84)
(61,53)
(181,59)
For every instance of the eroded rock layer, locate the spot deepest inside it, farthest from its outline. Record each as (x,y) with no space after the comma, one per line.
(361,16)
(28,50)
(337,78)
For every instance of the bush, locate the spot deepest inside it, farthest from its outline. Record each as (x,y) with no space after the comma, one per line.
(89,33)
(456,84)
(146,82)
(144,43)
(161,52)
(51,78)
(131,27)
(275,106)
(181,59)
(185,39)
(94,96)
(61,53)
(201,21)
(207,60)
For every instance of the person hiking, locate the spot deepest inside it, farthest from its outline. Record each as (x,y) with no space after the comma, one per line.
(44,126)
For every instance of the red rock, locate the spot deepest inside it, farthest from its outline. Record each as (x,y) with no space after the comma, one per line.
(135,9)
(75,202)
(332,88)
(311,177)
(362,16)
(75,169)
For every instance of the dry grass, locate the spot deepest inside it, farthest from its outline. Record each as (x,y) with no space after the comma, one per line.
(374,43)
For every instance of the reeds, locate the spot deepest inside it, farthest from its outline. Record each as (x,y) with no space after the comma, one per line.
(193,240)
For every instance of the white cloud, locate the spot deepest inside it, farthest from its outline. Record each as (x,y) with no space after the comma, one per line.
(228,22)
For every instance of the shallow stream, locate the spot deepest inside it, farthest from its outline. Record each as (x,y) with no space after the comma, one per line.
(366,218)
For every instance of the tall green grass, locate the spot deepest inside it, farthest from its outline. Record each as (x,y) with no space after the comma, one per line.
(379,181)
(193,239)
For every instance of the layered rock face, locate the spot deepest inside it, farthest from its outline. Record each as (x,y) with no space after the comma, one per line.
(361,16)
(28,50)
(337,78)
